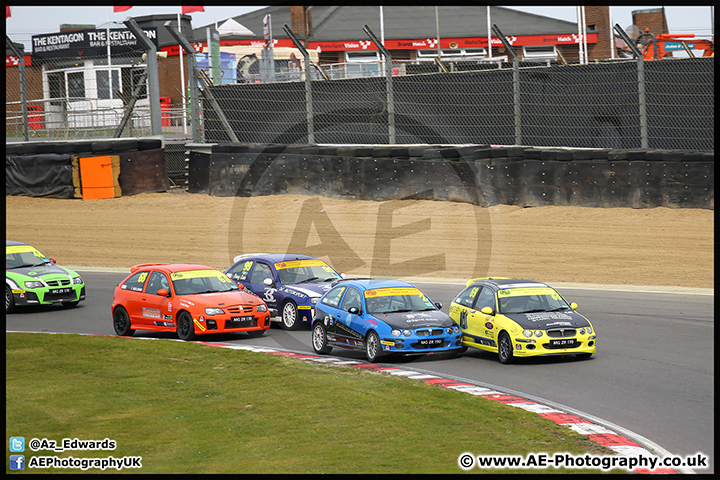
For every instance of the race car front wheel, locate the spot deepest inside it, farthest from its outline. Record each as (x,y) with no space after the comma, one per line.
(121,322)
(319,339)
(185,328)
(9,299)
(290,320)
(372,347)
(505,349)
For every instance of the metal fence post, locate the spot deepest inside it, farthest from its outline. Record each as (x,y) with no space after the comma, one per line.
(516,83)
(152,75)
(23,87)
(308,83)
(642,102)
(194,92)
(388,82)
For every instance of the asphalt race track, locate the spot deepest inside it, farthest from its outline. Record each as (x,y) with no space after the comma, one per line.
(653,373)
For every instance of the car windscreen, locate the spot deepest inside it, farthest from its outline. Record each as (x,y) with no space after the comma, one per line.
(17,256)
(201,281)
(305,271)
(533,299)
(397,299)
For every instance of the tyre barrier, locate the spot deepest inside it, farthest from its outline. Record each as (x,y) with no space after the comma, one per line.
(48,169)
(481,174)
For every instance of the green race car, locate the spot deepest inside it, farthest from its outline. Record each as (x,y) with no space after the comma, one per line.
(31,278)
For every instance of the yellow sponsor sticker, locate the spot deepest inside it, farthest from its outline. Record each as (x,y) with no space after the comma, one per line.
(518,292)
(300,263)
(200,274)
(392,291)
(23,249)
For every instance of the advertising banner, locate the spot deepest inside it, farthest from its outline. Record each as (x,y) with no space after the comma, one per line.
(88,43)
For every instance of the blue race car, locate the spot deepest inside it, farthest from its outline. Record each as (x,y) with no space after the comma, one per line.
(290,285)
(382,317)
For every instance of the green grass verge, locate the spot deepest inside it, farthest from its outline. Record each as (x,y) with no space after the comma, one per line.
(190,408)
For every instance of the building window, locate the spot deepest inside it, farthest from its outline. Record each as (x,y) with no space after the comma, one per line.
(76,85)
(362,64)
(56,87)
(104,89)
(452,53)
(539,52)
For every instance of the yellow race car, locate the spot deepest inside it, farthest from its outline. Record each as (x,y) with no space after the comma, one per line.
(520,318)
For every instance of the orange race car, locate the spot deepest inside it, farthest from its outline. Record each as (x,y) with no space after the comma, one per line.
(187,299)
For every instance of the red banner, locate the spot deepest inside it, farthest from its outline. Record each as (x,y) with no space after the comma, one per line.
(121,9)
(192,9)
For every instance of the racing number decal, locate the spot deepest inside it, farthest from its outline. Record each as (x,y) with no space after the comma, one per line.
(269,294)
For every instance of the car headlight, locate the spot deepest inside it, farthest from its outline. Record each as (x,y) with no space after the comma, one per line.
(314,300)
(538,333)
(527,333)
(581,331)
(262,308)
(589,329)
(395,333)
(214,311)
(33,284)
(77,280)
(407,333)
(456,329)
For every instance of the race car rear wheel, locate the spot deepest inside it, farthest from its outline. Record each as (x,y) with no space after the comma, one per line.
(319,339)
(505,348)
(121,322)
(290,320)
(373,351)
(9,299)
(185,327)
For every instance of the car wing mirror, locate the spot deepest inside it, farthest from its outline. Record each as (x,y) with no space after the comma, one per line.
(268,281)
(354,311)
(163,292)
(53,260)
(487,310)
(574,306)
(438,305)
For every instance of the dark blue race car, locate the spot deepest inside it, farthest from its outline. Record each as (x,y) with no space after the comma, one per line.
(382,317)
(290,285)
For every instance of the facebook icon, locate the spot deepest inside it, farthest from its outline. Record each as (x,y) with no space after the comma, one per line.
(17,462)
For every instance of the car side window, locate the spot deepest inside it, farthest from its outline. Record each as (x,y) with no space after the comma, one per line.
(467,296)
(486,298)
(157,281)
(332,298)
(136,282)
(240,270)
(352,299)
(260,272)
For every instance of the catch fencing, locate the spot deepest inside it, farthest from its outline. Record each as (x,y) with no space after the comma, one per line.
(595,105)
(624,104)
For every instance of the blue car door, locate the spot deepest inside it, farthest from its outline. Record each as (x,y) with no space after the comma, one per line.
(256,282)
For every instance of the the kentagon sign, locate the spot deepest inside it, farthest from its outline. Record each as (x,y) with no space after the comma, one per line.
(88,43)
